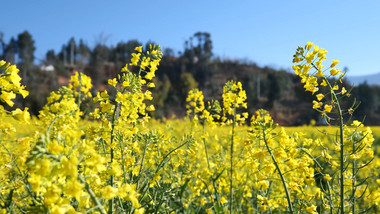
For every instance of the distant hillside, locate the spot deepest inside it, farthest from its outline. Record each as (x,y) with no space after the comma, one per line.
(372,79)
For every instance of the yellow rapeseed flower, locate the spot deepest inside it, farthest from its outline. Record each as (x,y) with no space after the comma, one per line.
(112,82)
(316,104)
(328,108)
(125,84)
(334,63)
(320,96)
(344,91)
(23,116)
(7,97)
(138,49)
(308,45)
(334,71)
(150,108)
(319,73)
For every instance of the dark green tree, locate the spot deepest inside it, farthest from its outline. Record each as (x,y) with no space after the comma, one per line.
(187,83)
(2,44)
(366,96)
(279,84)
(82,56)
(99,57)
(121,54)
(50,57)
(26,52)
(197,56)
(11,51)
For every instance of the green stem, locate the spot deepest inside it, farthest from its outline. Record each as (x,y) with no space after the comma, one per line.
(231,162)
(353,179)
(204,142)
(279,172)
(114,116)
(341,159)
(123,162)
(79,87)
(141,166)
(92,195)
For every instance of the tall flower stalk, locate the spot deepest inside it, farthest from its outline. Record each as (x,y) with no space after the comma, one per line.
(316,78)
(233,97)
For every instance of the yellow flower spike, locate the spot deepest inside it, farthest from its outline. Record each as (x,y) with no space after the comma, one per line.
(328,108)
(323,83)
(320,96)
(336,87)
(334,71)
(151,85)
(138,49)
(308,45)
(334,63)
(112,82)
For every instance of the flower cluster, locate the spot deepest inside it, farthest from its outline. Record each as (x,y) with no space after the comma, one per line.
(313,75)
(196,107)
(80,84)
(10,83)
(339,163)
(122,161)
(234,97)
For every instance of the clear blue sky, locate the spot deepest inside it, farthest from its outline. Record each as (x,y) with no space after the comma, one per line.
(265,32)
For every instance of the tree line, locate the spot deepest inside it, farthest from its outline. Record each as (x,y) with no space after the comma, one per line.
(276,90)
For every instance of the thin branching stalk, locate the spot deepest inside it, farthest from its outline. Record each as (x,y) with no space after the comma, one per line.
(204,142)
(279,172)
(353,178)
(123,162)
(141,166)
(79,87)
(92,195)
(231,162)
(341,138)
(114,116)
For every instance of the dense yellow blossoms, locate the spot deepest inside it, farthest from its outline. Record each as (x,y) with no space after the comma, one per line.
(124,162)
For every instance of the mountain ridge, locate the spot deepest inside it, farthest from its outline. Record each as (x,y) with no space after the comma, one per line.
(371,79)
